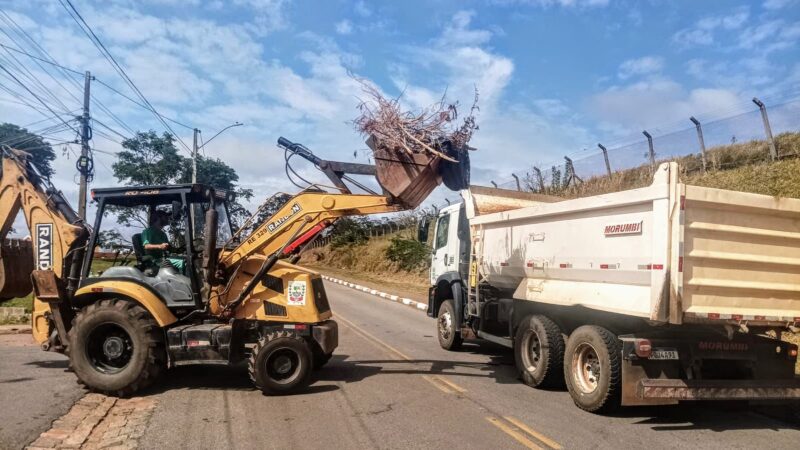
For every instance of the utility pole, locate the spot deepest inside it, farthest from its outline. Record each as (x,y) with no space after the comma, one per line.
(84,162)
(194,156)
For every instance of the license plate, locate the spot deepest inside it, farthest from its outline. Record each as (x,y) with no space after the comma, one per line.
(664,354)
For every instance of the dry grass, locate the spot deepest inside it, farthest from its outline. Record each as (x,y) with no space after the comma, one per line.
(745,166)
(367,262)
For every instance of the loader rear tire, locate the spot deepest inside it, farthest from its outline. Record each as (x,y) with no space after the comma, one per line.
(539,352)
(280,363)
(449,337)
(116,347)
(593,369)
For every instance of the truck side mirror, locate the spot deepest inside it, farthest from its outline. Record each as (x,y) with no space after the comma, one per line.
(422,230)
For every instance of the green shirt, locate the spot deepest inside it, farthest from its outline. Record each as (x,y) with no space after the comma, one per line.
(154,236)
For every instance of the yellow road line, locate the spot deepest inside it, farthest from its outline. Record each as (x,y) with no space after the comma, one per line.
(455,387)
(519,437)
(436,380)
(356,328)
(439,386)
(544,439)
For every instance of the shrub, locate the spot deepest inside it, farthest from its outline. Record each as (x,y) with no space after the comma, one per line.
(409,254)
(349,232)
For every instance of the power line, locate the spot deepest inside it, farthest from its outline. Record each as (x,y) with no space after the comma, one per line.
(109,57)
(140,104)
(36,96)
(63,69)
(40,59)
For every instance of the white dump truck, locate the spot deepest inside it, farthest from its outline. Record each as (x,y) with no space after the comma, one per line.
(656,295)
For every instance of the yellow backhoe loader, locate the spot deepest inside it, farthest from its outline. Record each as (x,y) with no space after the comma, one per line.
(235,298)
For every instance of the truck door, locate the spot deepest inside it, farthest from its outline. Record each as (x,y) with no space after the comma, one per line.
(445,244)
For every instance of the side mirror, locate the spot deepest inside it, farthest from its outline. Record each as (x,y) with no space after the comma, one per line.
(177,211)
(422,230)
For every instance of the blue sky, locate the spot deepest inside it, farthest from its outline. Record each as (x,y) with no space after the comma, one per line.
(554,76)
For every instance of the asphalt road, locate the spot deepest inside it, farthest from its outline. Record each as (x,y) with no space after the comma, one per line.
(389,385)
(35,389)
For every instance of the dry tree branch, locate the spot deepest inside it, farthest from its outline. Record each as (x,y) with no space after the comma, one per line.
(423,131)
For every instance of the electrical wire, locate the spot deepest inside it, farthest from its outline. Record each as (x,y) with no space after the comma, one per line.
(36,96)
(110,58)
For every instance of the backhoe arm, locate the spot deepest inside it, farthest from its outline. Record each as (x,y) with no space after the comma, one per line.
(56,231)
(309,212)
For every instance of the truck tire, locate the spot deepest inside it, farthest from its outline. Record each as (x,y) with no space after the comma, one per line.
(539,352)
(116,347)
(449,337)
(280,363)
(592,368)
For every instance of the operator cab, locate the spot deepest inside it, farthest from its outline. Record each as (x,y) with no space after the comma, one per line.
(174,274)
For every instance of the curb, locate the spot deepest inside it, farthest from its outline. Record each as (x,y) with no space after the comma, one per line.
(393,298)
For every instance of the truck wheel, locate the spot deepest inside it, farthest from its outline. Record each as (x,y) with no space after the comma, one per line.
(539,352)
(592,368)
(449,337)
(116,347)
(280,363)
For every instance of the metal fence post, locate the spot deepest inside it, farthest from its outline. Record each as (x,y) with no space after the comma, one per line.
(516,178)
(702,141)
(493,184)
(773,151)
(605,156)
(539,178)
(652,152)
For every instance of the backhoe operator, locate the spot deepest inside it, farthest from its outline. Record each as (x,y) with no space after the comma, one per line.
(156,242)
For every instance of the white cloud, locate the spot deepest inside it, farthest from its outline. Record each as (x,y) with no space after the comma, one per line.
(656,102)
(561,3)
(344,27)
(703,31)
(640,66)
(777,4)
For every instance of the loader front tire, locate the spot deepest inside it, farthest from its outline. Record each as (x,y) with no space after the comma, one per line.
(116,347)
(280,363)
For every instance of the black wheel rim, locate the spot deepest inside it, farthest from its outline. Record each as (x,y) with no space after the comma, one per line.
(283,365)
(109,348)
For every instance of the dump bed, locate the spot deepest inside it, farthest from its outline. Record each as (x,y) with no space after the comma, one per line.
(669,252)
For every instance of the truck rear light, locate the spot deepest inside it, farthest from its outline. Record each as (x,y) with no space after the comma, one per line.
(793,352)
(643,348)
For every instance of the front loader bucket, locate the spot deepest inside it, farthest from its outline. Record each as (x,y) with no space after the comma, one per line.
(16,265)
(408,177)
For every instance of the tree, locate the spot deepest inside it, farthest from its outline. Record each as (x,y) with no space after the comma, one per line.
(41,152)
(150,159)
(268,209)
(215,172)
(350,231)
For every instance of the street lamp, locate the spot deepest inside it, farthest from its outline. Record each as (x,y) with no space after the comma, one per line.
(196,148)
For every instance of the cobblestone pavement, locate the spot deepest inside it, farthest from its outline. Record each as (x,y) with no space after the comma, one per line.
(99,422)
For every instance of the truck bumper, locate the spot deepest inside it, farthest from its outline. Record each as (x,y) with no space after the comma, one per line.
(326,334)
(680,390)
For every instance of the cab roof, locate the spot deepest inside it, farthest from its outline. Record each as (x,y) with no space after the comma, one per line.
(156,195)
